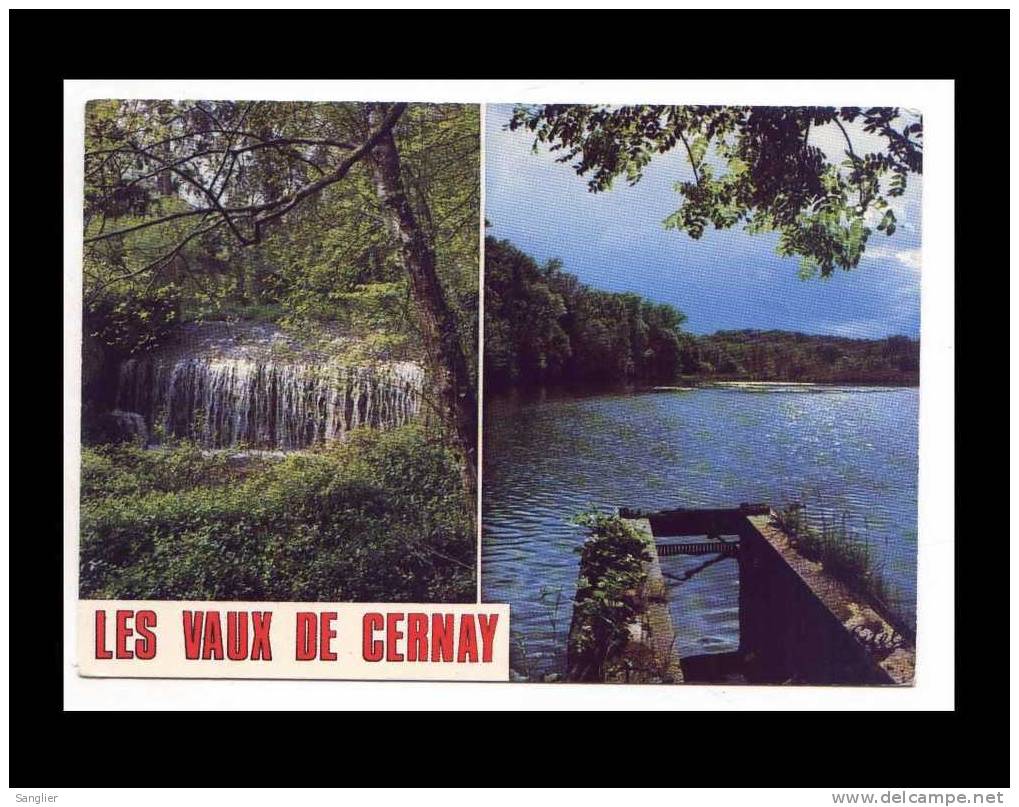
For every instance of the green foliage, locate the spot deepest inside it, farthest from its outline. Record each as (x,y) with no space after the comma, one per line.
(381,517)
(440,150)
(132,309)
(130,319)
(755,166)
(222,210)
(783,356)
(543,326)
(331,259)
(609,594)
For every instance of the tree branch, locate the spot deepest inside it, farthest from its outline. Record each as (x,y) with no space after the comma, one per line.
(388,122)
(278,207)
(689,154)
(145,224)
(846,136)
(212,197)
(163,260)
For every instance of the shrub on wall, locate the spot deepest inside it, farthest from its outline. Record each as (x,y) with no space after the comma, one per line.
(609,595)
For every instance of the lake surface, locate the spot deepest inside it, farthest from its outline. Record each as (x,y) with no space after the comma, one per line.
(846,452)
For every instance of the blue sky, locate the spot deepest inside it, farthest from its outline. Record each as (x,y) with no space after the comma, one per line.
(728,279)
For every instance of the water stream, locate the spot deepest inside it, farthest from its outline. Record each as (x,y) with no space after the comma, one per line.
(237,391)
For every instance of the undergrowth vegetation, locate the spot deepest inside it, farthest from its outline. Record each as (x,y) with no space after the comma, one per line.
(378,518)
(845,555)
(609,595)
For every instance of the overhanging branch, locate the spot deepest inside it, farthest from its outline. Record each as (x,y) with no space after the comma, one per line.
(266,213)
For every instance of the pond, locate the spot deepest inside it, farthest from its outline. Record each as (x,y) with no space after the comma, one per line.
(848,453)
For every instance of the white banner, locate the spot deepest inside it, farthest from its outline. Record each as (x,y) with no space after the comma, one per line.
(354,641)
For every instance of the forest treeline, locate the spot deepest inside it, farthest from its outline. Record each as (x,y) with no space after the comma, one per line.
(544,327)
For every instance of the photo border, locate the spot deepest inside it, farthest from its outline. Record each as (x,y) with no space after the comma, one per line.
(930,741)
(934,687)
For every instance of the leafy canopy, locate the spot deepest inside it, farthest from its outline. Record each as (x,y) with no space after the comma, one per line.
(755,166)
(198,209)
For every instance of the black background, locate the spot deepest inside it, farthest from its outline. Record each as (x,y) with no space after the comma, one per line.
(52,748)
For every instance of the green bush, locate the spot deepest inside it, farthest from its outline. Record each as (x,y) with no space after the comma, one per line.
(379,518)
(121,469)
(608,600)
(132,320)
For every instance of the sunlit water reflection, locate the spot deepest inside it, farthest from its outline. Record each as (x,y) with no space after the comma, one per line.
(838,449)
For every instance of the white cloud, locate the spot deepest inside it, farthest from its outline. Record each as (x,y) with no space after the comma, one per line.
(910,258)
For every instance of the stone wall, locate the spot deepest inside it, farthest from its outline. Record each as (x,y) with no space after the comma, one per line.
(799,625)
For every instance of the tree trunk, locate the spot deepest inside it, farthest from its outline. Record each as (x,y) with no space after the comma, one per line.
(445,356)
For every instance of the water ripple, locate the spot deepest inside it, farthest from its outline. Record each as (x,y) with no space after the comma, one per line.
(839,448)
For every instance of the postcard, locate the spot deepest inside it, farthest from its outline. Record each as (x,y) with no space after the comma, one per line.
(569,393)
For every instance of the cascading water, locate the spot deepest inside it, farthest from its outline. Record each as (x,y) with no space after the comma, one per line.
(261,402)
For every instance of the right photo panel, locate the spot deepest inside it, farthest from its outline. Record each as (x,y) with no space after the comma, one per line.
(701,383)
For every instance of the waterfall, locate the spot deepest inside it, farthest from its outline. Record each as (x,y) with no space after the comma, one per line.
(263,403)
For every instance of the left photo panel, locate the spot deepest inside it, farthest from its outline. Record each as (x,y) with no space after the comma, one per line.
(279,376)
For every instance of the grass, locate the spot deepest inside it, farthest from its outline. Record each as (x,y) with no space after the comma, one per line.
(524,665)
(380,518)
(844,554)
